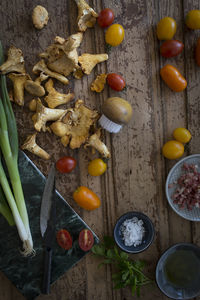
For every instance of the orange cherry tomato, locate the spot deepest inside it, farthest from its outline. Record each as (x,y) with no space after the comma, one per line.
(173,149)
(173,78)
(86,198)
(197,52)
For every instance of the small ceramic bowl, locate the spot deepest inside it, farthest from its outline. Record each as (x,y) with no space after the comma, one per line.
(174,174)
(178,271)
(148,234)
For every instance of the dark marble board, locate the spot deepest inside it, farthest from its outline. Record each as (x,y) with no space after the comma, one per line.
(26,273)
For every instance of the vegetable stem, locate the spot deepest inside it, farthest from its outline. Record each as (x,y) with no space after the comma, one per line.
(8,193)
(5,210)
(9,147)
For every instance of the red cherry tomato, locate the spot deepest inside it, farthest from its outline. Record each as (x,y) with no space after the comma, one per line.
(105,17)
(116,82)
(86,240)
(64,239)
(171,48)
(66,164)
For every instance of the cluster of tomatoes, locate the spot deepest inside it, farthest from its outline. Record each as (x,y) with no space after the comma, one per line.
(83,196)
(85,239)
(115,33)
(114,36)
(166,29)
(175,148)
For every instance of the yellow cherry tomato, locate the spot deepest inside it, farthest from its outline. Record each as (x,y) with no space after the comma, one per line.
(166,28)
(114,35)
(173,149)
(182,135)
(97,167)
(193,19)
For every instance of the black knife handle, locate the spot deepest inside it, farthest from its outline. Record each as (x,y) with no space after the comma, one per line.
(47,271)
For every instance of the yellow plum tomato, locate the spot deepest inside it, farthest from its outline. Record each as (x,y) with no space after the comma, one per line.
(193,19)
(182,135)
(173,149)
(114,35)
(166,28)
(97,167)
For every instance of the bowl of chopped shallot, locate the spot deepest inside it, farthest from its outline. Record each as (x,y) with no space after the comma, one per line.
(183,187)
(134,232)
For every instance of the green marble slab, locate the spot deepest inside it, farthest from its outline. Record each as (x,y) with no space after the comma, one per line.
(26,273)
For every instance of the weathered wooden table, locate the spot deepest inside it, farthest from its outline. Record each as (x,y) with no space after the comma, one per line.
(137,171)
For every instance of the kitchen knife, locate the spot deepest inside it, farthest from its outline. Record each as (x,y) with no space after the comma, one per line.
(47,226)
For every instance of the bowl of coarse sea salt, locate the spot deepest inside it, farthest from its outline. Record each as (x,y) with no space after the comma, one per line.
(134,232)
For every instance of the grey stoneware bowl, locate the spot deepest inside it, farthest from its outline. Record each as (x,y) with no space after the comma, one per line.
(178,271)
(174,174)
(148,234)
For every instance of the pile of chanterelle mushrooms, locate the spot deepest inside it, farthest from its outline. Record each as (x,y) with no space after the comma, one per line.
(75,125)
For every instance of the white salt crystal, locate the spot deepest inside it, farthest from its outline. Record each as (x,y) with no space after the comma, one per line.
(132,232)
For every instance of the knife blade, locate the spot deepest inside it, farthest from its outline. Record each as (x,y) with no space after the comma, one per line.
(47,226)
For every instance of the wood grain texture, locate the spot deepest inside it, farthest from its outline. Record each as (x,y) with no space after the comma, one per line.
(136,174)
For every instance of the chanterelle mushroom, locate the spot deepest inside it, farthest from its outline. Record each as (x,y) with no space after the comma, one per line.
(89,61)
(41,67)
(14,63)
(99,83)
(95,142)
(19,81)
(75,126)
(32,105)
(55,98)
(40,17)
(86,15)
(44,114)
(34,87)
(31,145)
(62,56)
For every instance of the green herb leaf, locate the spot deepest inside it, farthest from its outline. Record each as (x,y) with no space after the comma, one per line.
(98,250)
(125,275)
(129,271)
(124,255)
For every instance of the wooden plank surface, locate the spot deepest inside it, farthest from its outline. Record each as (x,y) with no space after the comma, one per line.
(137,171)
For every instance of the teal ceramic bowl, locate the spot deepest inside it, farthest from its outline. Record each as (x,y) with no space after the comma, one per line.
(178,271)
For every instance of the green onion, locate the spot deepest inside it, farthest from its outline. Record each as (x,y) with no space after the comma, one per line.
(9,148)
(5,210)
